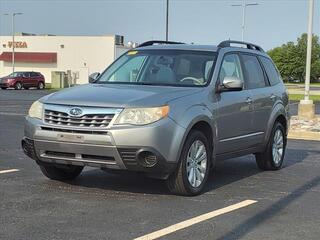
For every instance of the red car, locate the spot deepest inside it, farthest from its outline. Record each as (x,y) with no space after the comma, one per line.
(26,80)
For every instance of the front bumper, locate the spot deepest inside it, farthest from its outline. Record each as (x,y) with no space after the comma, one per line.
(117,148)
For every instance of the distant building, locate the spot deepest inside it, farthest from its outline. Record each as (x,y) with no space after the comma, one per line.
(77,56)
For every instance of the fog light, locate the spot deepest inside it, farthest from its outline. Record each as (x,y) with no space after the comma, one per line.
(147,159)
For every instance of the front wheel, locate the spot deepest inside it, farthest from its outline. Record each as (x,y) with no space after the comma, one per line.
(272,157)
(3,88)
(60,172)
(193,168)
(18,86)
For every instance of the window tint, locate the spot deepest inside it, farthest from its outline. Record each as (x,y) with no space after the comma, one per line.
(33,74)
(254,73)
(231,67)
(272,73)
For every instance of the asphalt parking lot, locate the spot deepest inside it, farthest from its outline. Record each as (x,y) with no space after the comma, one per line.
(99,205)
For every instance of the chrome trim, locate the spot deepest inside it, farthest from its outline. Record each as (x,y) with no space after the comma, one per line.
(240,137)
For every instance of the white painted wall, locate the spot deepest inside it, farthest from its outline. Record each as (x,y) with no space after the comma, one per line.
(83,54)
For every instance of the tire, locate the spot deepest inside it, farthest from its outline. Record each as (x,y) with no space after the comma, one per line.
(272,157)
(3,88)
(26,88)
(60,172)
(40,86)
(178,182)
(18,86)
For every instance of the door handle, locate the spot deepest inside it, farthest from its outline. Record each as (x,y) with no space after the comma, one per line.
(249,100)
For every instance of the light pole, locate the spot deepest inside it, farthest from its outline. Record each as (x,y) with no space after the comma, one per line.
(13,43)
(244,6)
(167,21)
(306,107)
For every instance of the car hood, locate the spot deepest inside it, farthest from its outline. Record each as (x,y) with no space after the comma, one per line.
(118,95)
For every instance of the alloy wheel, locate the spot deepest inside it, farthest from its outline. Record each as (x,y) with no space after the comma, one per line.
(277,147)
(197,162)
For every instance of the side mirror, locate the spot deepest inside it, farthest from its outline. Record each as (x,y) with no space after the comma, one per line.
(231,83)
(93,77)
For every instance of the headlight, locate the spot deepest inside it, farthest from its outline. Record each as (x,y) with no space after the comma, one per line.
(36,110)
(142,116)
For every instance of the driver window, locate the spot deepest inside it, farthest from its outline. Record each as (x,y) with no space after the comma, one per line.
(231,67)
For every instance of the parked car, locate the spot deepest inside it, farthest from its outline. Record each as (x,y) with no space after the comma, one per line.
(26,80)
(166,109)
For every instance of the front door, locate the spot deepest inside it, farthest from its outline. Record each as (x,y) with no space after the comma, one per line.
(234,110)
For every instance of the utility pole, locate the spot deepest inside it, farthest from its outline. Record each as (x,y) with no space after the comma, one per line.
(13,42)
(244,6)
(167,21)
(306,109)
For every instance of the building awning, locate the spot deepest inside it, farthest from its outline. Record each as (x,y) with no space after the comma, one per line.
(30,57)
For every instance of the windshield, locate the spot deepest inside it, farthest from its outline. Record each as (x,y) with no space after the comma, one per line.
(161,67)
(16,74)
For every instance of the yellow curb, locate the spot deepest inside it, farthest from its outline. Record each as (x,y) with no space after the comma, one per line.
(304,135)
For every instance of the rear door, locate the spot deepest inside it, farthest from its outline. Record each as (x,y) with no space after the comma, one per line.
(34,79)
(261,95)
(234,110)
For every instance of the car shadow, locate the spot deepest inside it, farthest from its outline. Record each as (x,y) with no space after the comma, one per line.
(225,173)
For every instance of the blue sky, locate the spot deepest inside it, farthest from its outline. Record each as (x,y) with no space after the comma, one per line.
(270,24)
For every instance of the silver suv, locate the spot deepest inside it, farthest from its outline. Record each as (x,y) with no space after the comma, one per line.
(167,109)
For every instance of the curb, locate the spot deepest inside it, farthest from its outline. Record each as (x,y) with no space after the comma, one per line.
(304,135)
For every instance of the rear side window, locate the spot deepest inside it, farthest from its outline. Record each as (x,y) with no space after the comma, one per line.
(254,74)
(26,74)
(272,73)
(33,74)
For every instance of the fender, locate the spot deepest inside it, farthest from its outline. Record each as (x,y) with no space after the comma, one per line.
(193,115)
(278,109)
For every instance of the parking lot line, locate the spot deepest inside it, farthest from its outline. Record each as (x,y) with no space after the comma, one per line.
(195,220)
(9,171)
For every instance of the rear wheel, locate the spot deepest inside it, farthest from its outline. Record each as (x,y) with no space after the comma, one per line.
(40,85)
(60,172)
(193,168)
(3,88)
(272,157)
(18,86)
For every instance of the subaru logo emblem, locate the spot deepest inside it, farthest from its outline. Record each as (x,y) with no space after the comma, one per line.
(75,111)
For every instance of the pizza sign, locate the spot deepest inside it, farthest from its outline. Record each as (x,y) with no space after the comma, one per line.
(18,44)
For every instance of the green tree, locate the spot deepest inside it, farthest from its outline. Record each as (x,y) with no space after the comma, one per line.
(290,58)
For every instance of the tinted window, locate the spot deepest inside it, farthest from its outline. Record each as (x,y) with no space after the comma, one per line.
(272,73)
(231,67)
(26,74)
(254,73)
(33,74)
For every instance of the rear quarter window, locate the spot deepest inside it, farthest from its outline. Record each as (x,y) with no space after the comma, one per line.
(272,73)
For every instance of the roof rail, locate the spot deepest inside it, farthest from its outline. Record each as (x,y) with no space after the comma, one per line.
(248,45)
(153,42)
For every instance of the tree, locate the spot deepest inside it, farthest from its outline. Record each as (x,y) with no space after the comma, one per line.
(290,58)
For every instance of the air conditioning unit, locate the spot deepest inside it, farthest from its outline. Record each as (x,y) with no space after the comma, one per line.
(119,40)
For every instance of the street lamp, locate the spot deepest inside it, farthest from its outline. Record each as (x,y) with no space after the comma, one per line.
(306,107)
(244,5)
(167,21)
(13,43)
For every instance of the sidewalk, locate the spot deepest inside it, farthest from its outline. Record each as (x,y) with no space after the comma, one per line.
(304,129)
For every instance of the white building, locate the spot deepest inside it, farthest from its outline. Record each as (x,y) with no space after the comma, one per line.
(78,56)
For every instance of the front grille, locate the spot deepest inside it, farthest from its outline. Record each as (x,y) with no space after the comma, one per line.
(88,120)
(80,157)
